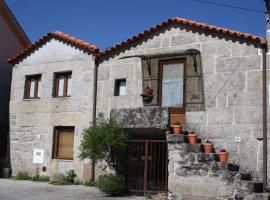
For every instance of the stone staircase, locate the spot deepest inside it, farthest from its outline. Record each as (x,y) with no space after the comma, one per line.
(191,171)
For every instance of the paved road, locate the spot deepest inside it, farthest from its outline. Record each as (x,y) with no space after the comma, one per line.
(28,190)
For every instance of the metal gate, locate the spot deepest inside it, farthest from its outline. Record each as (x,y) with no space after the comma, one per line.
(147,169)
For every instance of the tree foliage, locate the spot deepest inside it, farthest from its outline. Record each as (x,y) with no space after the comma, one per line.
(103,140)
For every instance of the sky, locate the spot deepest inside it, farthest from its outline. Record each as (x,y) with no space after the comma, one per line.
(107,22)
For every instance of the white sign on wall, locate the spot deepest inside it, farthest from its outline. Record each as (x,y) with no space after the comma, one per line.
(38,156)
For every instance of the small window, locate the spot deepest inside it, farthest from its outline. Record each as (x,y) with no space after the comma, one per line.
(32,87)
(62,84)
(63,143)
(120,87)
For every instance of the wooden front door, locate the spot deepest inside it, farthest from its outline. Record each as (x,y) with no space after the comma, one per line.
(172,85)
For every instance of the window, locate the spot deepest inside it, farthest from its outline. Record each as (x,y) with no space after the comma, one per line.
(62,84)
(120,87)
(63,143)
(32,87)
(172,85)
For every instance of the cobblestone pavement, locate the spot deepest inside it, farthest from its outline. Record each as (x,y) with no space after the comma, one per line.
(28,190)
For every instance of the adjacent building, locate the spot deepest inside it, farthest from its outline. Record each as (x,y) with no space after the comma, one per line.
(208,77)
(12,40)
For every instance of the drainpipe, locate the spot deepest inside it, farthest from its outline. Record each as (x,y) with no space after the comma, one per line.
(264,81)
(94,108)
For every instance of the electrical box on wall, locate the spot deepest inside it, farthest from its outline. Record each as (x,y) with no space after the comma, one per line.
(237,139)
(38,156)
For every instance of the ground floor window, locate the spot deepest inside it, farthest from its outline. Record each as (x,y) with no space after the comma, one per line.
(63,141)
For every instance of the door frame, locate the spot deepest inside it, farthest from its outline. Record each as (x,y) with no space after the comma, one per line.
(173,110)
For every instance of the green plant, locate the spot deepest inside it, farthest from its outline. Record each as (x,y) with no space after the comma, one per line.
(44,178)
(178,122)
(148,195)
(22,175)
(111,184)
(104,140)
(89,183)
(64,179)
(70,177)
(78,182)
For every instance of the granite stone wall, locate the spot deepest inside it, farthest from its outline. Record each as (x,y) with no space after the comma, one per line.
(193,172)
(231,70)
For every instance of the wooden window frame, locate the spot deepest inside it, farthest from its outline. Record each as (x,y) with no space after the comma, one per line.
(56,141)
(27,86)
(117,86)
(56,84)
(173,110)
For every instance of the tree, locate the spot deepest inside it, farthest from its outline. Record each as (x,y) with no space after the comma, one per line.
(104,140)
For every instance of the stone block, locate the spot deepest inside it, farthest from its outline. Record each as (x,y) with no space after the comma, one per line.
(165,42)
(254,80)
(249,98)
(103,72)
(224,81)
(248,114)
(196,117)
(183,39)
(142,117)
(191,170)
(238,64)
(205,157)
(248,154)
(204,186)
(208,65)
(220,115)
(172,138)
(150,43)
(120,71)
(243,49)
(196,148)
(216,48)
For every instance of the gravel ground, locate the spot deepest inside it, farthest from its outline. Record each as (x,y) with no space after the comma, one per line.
(28,190)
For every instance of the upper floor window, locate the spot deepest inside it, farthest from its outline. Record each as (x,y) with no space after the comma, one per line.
(120,87)
(62,84)
(32,87)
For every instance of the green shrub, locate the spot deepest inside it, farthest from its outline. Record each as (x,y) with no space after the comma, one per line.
(42,178)
(111,184)
(22,175)
(89,183)
(64,179)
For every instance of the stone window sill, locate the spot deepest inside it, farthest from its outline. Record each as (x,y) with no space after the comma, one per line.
(62,160)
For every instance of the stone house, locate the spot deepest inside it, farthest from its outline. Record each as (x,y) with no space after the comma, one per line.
(206,76)
(12,40)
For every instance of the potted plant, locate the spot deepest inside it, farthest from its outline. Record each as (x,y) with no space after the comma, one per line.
(192,137)
(208,146)
(6,171)
(147,95)
(177,127)
(148,90)
(223,155)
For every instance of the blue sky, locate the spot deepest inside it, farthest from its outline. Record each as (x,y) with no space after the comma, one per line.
(106,22)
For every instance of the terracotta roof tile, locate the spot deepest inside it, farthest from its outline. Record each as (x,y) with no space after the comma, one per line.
(57,34)
(203,26)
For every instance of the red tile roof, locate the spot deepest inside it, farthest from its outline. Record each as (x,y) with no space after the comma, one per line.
(57,34)
(191,23)
(147,32)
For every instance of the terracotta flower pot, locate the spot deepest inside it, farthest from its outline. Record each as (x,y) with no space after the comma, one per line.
(192,138)
(148,91)
(208,147)
(223,156)
(177,129)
